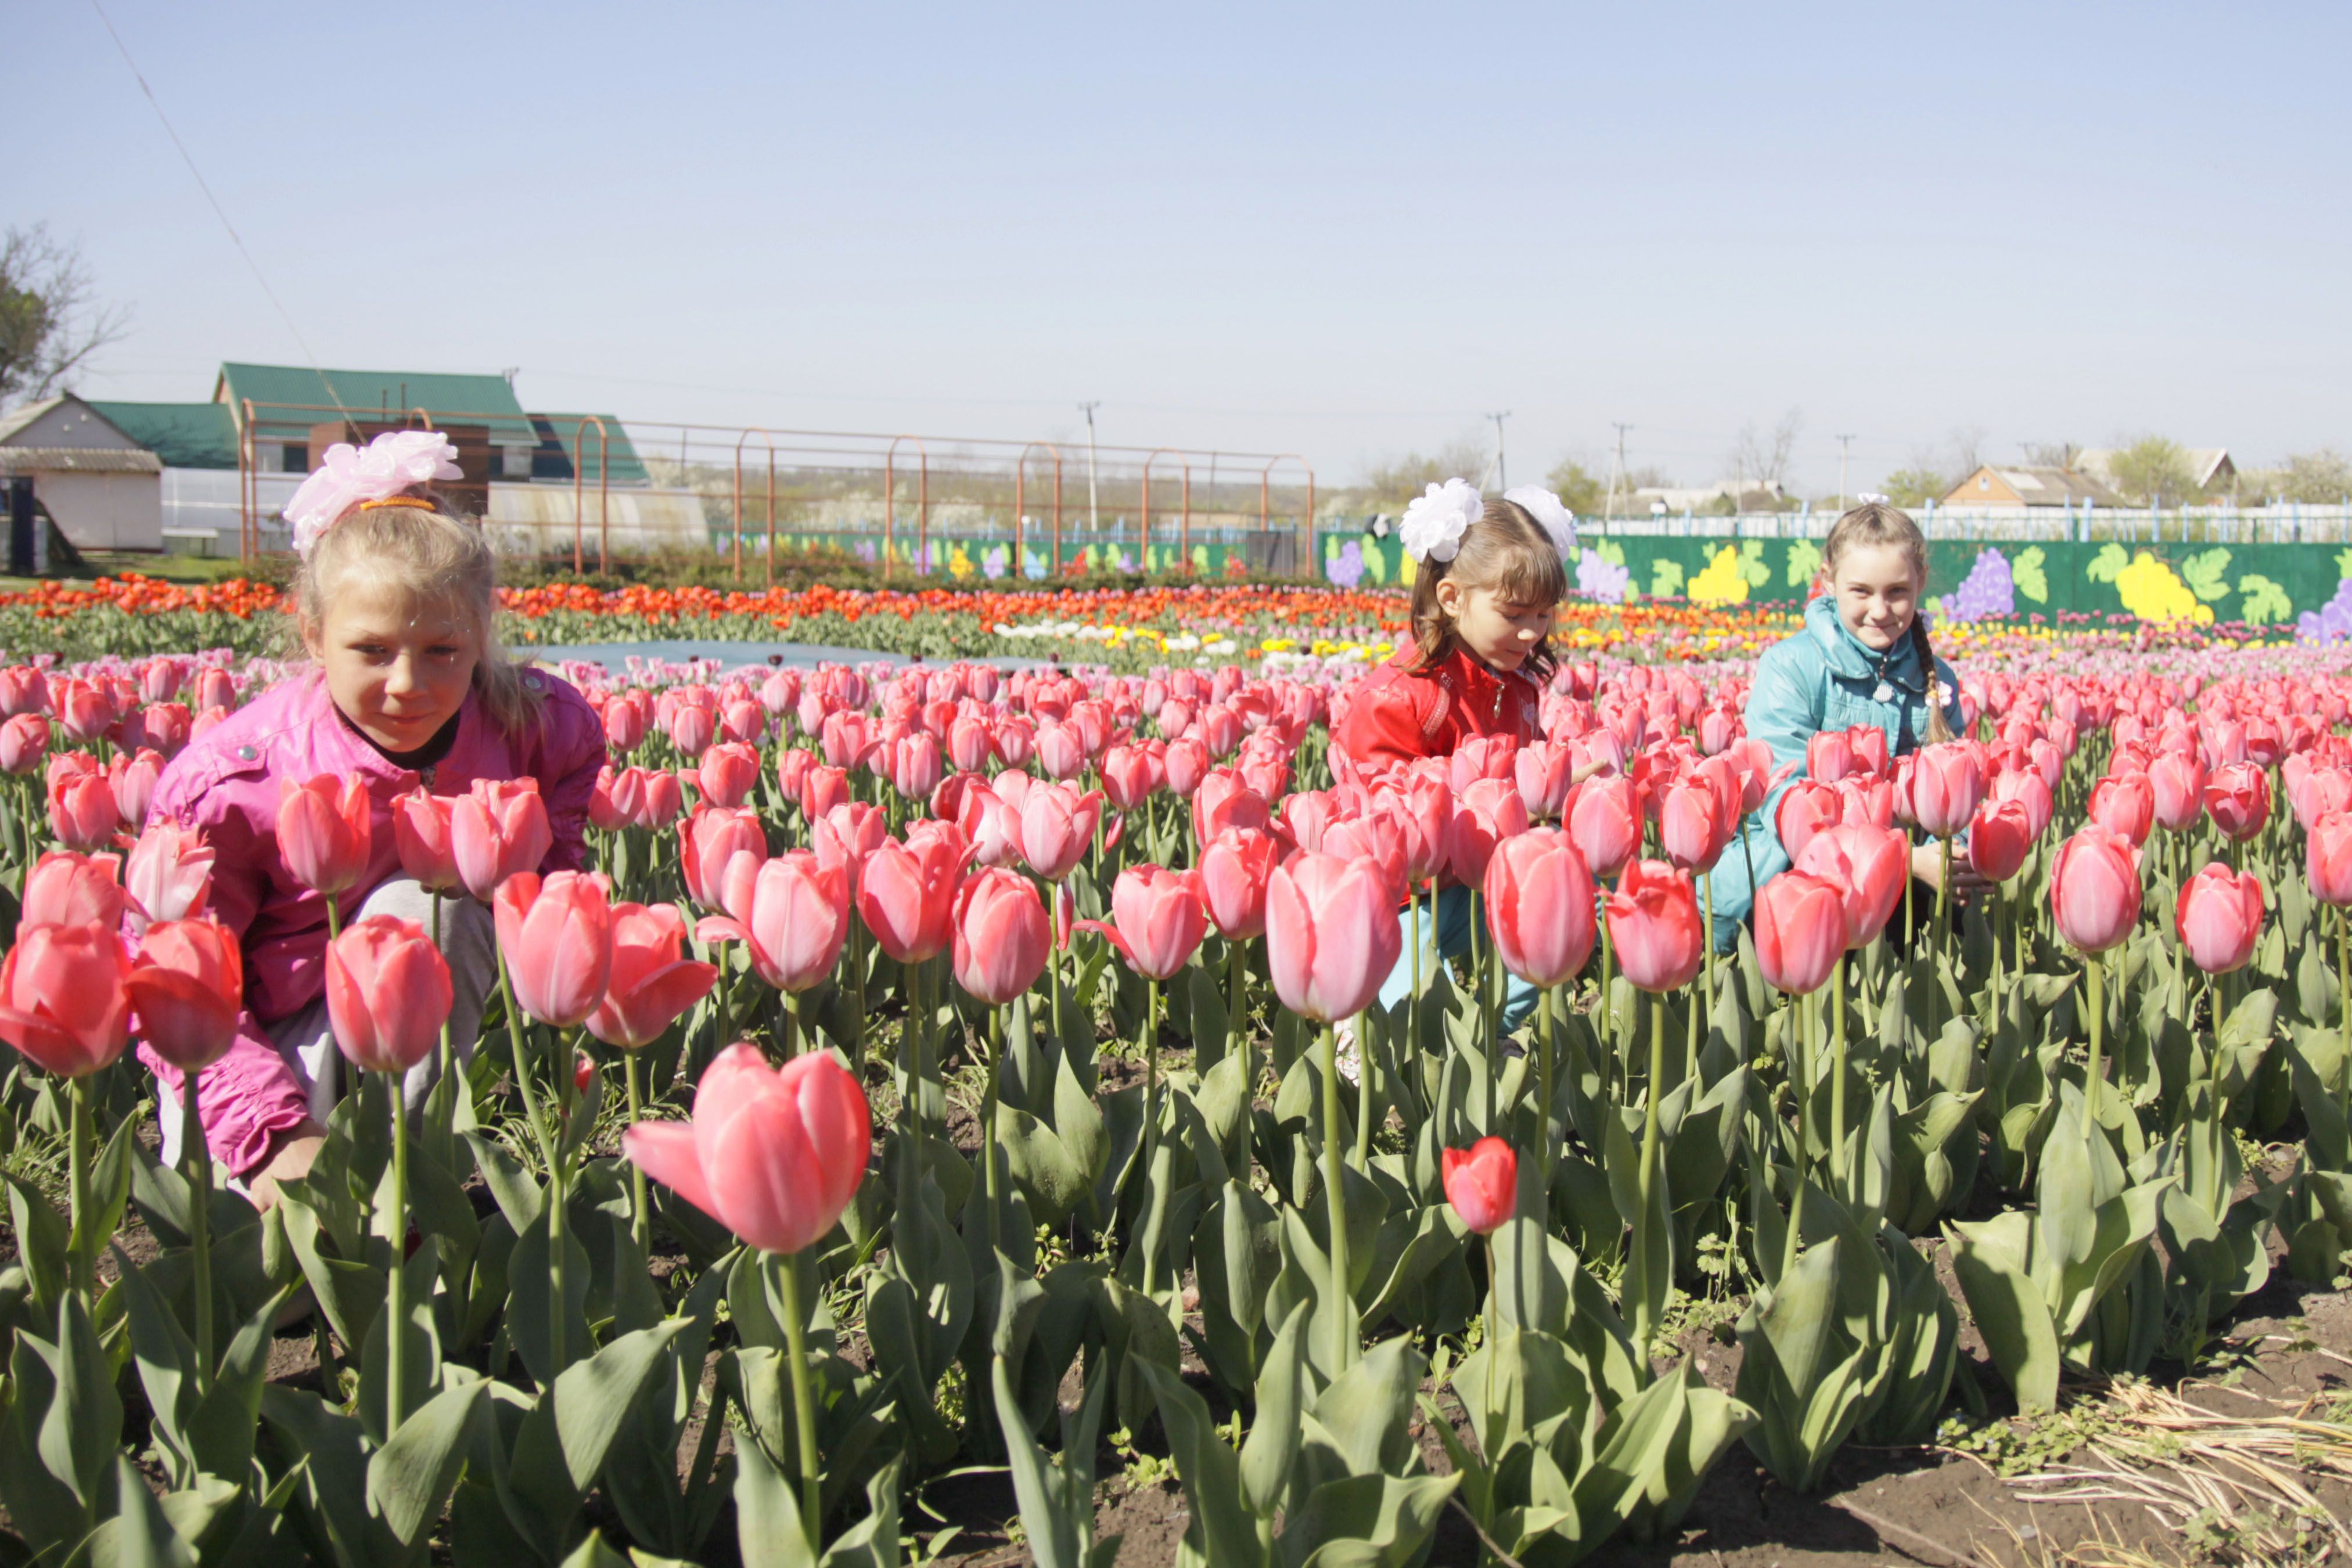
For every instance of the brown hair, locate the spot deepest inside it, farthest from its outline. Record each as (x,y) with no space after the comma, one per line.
(1504,551)
(1872,524)
(435,552)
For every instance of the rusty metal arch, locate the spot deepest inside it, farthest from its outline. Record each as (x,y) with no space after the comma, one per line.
(1305,519)
(1020,506)
(890,502)
(604,494)
(1184,547)
(738,514)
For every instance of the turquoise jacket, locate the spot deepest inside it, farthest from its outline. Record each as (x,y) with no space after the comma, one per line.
(1823,677)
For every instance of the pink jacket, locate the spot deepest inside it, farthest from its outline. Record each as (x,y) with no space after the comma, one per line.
(227,783)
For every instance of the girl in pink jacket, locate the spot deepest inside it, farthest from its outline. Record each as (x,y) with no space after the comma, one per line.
(396,606)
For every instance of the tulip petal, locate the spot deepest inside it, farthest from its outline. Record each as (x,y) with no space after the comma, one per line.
(665,1152)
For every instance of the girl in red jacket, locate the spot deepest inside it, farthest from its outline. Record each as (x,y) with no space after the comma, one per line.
(1487,578)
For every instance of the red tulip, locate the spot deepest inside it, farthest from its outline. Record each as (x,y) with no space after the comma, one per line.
(498,829)
(82,813)
(1999,838)
(1871,865)
(1808,807)
(1654,926)
(793,915)
(625,724)
(1057,823)
(1332,936)
(1187,761)
(556,934)
(726,772)
(64,888)
(1946,788)
(2178,782)
(2094,889)
(665,801)
(1691,825)
(1000,937)
(720,851)
(1482,1182)
(1540,906)
(617,798)
(1156,921)
(1235,870)
(1543,773)
(774,1154)
(1829,756)
(24,743)
(1800,930)
(2126,805)
(388,992)
(2238,798)
(906,895)
(2026,787)
(652,980)
(187,987)
(1223,801)
(323,833)
(1132,775)
(2327,858)
(2220,915)
(63,997)
(132,780)
(1488,812)
(1606,823)
(422,828)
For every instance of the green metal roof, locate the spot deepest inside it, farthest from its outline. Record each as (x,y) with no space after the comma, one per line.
(183,435)
(553,462)
(450,399)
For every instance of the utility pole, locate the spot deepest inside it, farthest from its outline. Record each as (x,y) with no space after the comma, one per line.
(1616,471)
(1843,442)
(1502,473)
(1094,518)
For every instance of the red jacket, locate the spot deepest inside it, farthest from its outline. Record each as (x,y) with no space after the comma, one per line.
(1395,716)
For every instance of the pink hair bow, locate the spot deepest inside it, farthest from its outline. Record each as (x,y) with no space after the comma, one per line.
(391,463)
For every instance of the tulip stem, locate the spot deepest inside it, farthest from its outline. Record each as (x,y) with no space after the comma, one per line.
(396,1337)
(446,1064)
(787,1280)
(1707,891)
(1645,1311)
(1943,940)
(1237,1002)
(537,1113)
(200,1249)
(1150,1116)
(1343,1313)
(641,1221)
(1545,1070)
(2094,976)
(2343,1007)
(988,1095)
(1837,1070)
(78,1159)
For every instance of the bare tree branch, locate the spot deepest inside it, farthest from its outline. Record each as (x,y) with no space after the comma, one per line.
(50,324)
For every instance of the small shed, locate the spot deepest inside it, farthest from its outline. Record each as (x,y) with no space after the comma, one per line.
(103,490)
(1991,486)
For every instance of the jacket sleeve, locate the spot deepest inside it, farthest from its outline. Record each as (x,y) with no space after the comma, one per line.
(1784,711)
(572,750)
(249,1100)
(1384,727)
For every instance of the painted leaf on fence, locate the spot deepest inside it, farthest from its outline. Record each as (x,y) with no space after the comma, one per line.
(2265,602)
(2026,574)
(1665,578)
(1751,563)
(2108,564)
(1804,561)
(2207,574)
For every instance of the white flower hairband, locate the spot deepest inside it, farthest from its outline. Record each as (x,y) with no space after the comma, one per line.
(1549,513)
(1435,520)
(393,463)
(1872,497)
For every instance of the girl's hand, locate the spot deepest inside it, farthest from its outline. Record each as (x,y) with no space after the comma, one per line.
(1927,865)
(292,1157)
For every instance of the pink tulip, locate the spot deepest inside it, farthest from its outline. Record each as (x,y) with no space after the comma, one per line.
(913,766)
(2095,890)
(1801,932)
(665,801)
(1806,808)
(169,876)
(692,727)
(388,992)
(1482,1182)
(82,813)
(1653,927)
(793,916)
(652,982)
(907,895)
(1999,838)
(1224,801)
(2026,787)
(1606,824)
(63,997)
(1234,870)
(774,1154)
(727,771)
(23,690)
(2220,916)
(1829,756)
(64,888)
(187,988)
(1691,825)
(1488,812)
(1332,936)
(24,743)
(972,744)
(720,850)
(1946,788)
(132,780)
(625,725)
(2178,783)
(1001,936)
(1543,773)
(1156,921)
(421,826)
(616,800)
(1057,823)
(2238,798)
(497,831)
(1061,752)
(1132,775)
(1540,906)
(556,935)
(2125,805)
(1187,763)
(1870,865)
(323,832)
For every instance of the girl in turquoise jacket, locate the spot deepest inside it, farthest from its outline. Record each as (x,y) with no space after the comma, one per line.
(1864,657)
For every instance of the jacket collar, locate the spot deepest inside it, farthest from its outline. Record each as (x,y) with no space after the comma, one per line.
(1849,658)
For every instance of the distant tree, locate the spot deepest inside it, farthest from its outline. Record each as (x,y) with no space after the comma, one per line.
(2155,471)
(1915,486)
(2313,477)
(2052,454)
(51,325)
(1578,489)
(1766,457)
(1967,450)
(1391,484)
(1650,478)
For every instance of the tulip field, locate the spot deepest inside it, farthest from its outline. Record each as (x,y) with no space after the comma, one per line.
(946,1079)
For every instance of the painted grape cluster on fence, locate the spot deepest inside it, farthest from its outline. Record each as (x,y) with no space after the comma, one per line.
(925,1037)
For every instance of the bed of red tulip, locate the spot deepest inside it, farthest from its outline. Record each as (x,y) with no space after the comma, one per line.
(924,1036)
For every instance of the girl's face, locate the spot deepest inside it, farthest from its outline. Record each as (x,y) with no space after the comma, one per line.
(1877,594)
(397,666)
(1499,630)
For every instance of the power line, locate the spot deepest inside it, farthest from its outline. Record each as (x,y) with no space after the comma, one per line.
(218,211)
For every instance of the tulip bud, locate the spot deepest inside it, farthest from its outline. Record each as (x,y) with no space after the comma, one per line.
(388,992)
(1482,1182)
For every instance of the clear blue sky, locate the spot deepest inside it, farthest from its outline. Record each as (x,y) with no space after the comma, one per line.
(1343,230)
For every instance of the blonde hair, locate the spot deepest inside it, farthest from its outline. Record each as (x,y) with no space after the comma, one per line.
(1872,525)
(1506,551)
(438,554)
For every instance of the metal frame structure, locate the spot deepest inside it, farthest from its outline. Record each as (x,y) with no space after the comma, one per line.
(738,514)
(1184,548)
(891,505)
(1021,504)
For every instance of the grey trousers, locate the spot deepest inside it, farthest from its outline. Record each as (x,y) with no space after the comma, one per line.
(307,1041)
